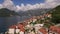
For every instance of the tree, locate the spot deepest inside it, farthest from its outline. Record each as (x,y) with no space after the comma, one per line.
(56,15)
(4,12)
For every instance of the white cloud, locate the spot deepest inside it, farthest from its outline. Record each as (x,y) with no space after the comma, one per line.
(1,6)
(52,3)
(8,4)
(18,8)
(47,4)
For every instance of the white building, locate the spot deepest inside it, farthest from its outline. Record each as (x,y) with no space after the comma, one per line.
(37,27)
(11,30)
(21,32)
(17,31)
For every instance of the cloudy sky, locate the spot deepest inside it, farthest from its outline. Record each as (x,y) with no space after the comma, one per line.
(23,5)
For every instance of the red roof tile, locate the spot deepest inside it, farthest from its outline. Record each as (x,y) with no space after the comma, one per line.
(43,30)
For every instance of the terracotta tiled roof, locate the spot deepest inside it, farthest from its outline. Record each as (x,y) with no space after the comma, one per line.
(13,26)
(21,27)
(55,29)
(43,30)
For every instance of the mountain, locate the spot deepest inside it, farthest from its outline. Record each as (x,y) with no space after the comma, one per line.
(36,12)
(4,12)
